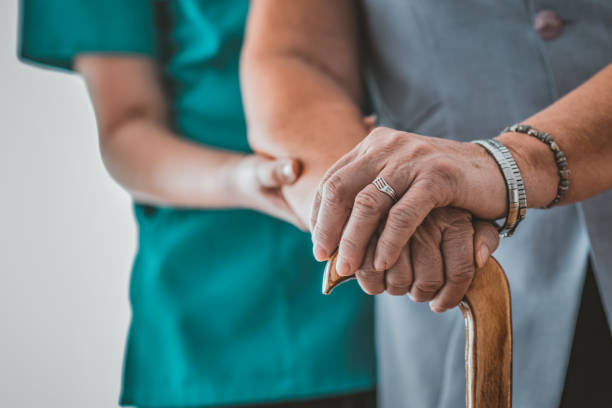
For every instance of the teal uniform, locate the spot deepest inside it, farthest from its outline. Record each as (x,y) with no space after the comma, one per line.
(227,305)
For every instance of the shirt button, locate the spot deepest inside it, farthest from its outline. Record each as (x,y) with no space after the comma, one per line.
(548,24)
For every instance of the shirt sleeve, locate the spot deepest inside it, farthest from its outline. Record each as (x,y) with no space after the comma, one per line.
(52,33)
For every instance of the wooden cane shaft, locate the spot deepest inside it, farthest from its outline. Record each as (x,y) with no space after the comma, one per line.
(487,312)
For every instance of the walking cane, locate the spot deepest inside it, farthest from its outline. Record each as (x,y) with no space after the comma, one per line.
(488,334)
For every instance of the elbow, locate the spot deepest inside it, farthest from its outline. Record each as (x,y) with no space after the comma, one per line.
(111,127)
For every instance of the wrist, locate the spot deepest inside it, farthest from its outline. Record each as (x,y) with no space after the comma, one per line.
(515,191)
(537,166)
(483,191)
(237,174)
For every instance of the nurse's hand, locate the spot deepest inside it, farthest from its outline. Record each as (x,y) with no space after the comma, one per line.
(437,265)
(258,181)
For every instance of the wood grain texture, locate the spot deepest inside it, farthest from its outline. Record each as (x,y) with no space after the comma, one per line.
(488,339)
(487,312)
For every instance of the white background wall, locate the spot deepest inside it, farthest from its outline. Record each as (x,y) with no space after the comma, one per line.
(67,239)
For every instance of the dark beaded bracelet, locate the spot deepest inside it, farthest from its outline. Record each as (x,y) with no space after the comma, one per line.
(560,159)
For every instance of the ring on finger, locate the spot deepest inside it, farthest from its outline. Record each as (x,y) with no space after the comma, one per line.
(384,187)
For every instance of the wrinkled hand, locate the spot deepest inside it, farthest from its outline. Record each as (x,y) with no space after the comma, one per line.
(438,263)
(259,181)
(425,172)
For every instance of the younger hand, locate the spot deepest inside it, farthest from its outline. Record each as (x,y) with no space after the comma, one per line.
(259,180)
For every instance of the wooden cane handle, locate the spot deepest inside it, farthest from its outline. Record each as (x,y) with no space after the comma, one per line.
(488,334)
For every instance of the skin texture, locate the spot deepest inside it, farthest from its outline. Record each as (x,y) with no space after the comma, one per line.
(420,169)
(430,173)
(302,93)
(155,166)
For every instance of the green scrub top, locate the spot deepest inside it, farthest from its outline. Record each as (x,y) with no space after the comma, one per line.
(227,305)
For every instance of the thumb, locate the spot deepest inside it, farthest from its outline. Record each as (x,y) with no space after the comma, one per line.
(277,173)
(486,240)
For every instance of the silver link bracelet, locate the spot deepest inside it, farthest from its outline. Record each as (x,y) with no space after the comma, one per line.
(517,199)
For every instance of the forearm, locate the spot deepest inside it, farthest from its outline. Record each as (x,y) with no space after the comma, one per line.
(139,149)
(581,124)
(311,119)
(157,167)
(301,86)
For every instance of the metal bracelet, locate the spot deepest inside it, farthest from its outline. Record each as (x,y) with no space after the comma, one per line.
(517,199)
(560,159)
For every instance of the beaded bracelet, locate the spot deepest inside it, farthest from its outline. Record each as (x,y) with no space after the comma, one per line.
(560,159)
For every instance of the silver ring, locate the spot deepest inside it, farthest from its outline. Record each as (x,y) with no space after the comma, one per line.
(384,187)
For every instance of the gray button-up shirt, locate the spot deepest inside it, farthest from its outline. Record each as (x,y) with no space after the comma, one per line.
(464,70)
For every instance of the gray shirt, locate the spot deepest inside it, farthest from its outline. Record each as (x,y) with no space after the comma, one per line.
(464,70)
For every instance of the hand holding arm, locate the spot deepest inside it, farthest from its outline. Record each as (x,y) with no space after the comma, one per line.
(302,93)
(301,86)
(154,164)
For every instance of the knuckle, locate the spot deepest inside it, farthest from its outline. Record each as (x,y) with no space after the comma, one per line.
(378,131)
(459,235)
(428,235)
(390,245)
(457,216)
(428,183)
(348,246)
(403,170)
(370,281)
(333,189)
(462,274)
(373,141)
(443,167)
(432,190)
(368,274)
(368,203)
(398,283)
(427,263)
(438,180)
(426,289)
(420,148)
(396,138)
(397,290)
(456,223)
(401,217)
(399,279)
(322,235)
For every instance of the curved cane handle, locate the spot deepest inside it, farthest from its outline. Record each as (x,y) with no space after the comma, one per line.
(488,339)
(488,334)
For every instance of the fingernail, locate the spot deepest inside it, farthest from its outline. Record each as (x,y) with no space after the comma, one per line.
(342,267)
(288,172)
(435,308)
(319,253)
(482,255)
(380,265)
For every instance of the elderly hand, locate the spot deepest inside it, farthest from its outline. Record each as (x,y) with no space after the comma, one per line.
(437,265)
(425,172)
